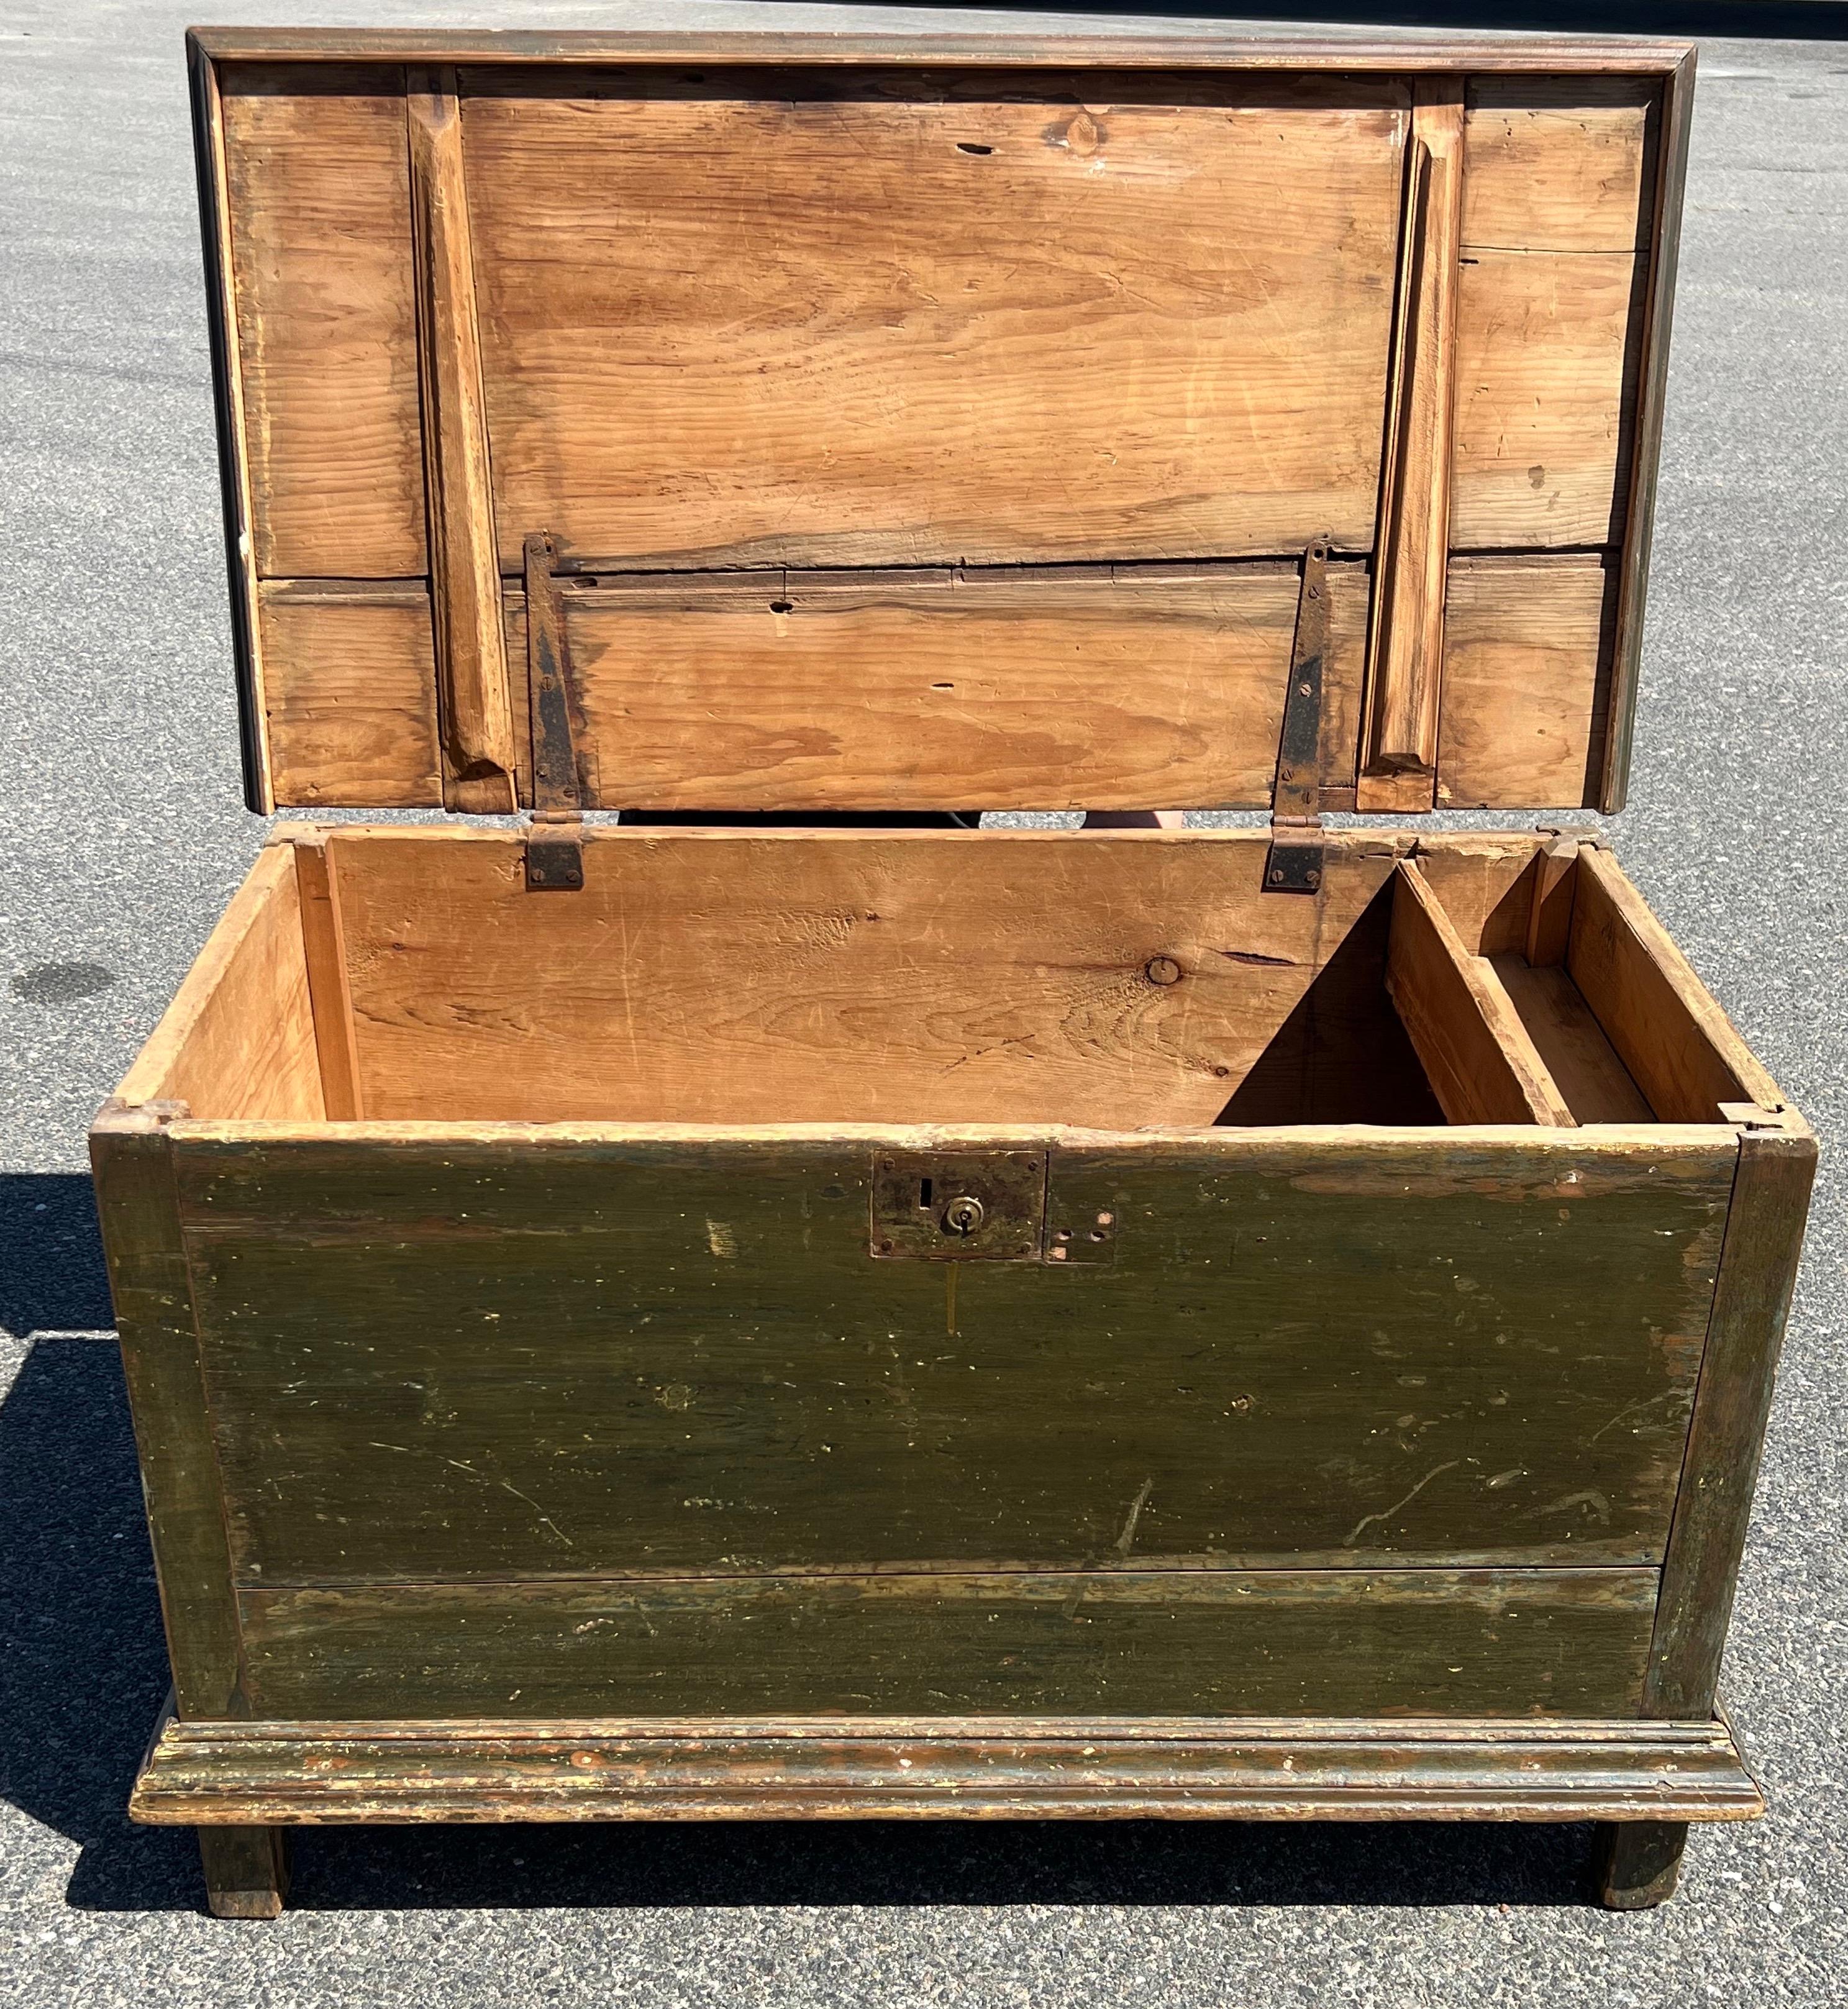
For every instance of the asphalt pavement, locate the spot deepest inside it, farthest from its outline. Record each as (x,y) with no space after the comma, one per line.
(125,836)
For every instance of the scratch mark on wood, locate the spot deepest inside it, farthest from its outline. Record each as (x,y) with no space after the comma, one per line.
(507,1486)
(1126,1540)
(1367,1520)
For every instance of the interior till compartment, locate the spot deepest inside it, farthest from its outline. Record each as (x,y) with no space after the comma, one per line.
(1113,980)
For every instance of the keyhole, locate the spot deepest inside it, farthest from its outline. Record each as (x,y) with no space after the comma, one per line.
(923,1196)
(964,1215)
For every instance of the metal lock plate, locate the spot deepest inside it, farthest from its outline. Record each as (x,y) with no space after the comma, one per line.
(959,1206)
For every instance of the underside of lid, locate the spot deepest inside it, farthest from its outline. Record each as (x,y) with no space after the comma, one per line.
(930,426)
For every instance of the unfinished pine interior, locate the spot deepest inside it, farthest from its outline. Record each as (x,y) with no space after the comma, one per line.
(1131,981)
(1005,394)
(627,1320)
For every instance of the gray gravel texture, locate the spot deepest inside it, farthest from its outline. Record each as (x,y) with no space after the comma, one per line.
(125,837)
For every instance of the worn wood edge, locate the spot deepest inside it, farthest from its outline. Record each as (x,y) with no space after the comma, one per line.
(1420,1148)
(1559,55)
(1348,841)
(228,399)
(1732,1407)
(993,1767)
(1659,945)
(1403,684)
(144,1080)
(151,1289)
(1415,901)
(1550,909)
(330,997)
(1356,843)
(1645,449)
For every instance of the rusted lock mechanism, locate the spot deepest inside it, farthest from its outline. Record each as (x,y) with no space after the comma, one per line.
(959,1206)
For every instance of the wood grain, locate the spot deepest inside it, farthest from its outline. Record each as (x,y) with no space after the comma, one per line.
(953,391)
(1546,364)
(1559,164)
(1594,1084)
(350,674)
(1527,642)
(1398,759)
(1153,323)
(1482,1065)
(332,1005)
(1663,1022)
(138,1212)
(1112,689)
(1555,881)
(1071,688)
(474,708)
(1087,688)
(676,1354)
(318,185)
(238,1040)
(1757,1272)
(1181,1768)
(1485,887)
(915,976)
(1559,201)
(1336,1642)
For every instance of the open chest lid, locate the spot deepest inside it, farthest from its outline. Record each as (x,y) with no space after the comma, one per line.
(893,423)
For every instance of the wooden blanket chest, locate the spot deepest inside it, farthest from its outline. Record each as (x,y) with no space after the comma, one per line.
(664,1320)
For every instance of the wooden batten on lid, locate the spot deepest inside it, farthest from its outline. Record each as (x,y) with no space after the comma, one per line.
(939,425)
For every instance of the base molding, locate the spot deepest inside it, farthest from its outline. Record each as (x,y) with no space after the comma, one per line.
(889,1768)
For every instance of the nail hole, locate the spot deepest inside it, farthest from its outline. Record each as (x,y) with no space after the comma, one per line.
(782,607)
(969,146)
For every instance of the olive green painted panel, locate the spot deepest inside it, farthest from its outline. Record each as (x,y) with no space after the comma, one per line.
(1479,1642)
(535,1357)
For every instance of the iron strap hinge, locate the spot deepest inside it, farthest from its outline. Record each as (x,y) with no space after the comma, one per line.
(555,842)
(1295,860)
